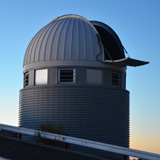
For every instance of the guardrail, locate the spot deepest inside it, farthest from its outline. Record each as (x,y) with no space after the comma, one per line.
(84,142)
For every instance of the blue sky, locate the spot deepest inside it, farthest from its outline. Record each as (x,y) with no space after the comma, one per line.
(137,24)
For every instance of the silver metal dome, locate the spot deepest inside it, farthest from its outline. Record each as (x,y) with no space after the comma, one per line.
(72,40)
(69,37)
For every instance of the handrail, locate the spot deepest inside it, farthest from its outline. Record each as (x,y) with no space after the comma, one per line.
(83,142)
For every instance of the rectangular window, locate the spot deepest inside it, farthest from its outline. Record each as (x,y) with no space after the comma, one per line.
(26,79)
(116,79)
(67,75)
(94,76)
(41,77)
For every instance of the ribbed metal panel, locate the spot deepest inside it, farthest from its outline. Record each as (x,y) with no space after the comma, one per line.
(90,112)
(69,37)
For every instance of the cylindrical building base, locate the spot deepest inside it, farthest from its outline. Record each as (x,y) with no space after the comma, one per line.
(89,112)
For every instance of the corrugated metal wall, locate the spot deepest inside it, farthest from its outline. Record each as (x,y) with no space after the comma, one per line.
(90,112)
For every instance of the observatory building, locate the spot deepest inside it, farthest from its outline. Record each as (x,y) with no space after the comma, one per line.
(75,75)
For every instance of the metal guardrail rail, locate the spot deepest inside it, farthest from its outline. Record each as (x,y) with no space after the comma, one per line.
(84,142)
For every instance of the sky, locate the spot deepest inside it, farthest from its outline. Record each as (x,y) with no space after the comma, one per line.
(137,24)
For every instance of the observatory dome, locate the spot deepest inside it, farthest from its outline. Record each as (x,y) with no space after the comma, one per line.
(75,75)
(69,37)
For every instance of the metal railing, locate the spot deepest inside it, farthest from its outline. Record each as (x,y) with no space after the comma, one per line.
(83,142)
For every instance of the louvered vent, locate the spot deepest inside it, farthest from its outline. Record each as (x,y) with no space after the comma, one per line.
(26,79)
(67,75)
(116,79)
